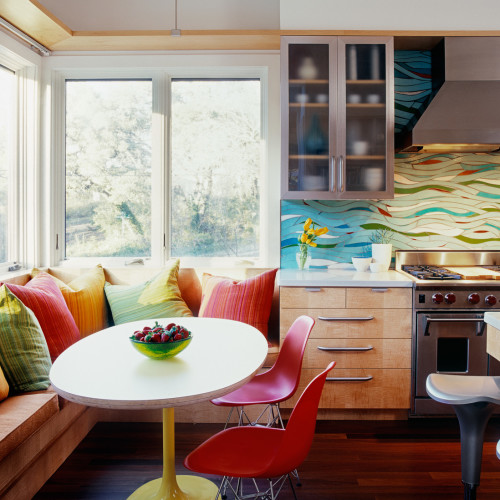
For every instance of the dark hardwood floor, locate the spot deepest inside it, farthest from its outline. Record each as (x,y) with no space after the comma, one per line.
(404,460)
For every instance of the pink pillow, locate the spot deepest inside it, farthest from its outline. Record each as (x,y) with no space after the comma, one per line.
(248,301)
(43,297)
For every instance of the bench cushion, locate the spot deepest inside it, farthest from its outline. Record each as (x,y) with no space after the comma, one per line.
(22,415)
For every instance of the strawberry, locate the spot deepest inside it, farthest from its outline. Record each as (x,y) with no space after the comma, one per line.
(169,326)
(156,337)
(148,338)
(178,336)
(139,335)
(164,337)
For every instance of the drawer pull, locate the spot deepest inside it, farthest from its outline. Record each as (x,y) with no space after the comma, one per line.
(312,289)
(347,349)
(349,379)
(379,290)
(326,318)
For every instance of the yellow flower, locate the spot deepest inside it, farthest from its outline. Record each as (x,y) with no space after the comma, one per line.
(307,224)
(303,238)
(321,231)
(312,244)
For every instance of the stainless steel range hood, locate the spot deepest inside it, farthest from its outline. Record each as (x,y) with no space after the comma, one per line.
(465,113)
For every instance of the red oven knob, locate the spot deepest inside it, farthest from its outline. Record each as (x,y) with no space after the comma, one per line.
(473,298)
(437,298)
(491,300)
(450,298)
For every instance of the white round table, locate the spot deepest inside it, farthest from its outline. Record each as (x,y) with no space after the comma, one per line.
(105,370)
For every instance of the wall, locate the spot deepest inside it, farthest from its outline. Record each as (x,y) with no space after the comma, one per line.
(389,15)
(447,201)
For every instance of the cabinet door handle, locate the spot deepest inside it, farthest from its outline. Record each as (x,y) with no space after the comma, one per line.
(332,174)
(349,379)
(379,290)
(313,289)
(346,349)
(341,173)
(326,318)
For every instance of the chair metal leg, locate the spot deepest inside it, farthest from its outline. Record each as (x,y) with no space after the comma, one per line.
(473,419)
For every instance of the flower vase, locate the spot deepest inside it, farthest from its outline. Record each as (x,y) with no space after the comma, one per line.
(303,257)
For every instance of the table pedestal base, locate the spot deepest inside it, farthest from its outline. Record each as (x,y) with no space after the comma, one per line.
(189,488)
(170,486)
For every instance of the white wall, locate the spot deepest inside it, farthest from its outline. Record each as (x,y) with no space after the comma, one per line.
(390,14)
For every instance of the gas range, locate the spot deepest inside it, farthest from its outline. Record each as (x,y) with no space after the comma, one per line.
(452,279)
(452,291)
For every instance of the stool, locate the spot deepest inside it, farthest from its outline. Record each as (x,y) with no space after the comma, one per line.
(473,398)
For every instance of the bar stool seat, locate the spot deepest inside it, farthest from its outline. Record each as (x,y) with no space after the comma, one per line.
(473,398)
(498,450)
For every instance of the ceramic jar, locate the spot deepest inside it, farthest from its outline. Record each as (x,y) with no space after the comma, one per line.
(307,70)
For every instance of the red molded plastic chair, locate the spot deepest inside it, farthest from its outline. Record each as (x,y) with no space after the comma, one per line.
(277,384)
(261,452)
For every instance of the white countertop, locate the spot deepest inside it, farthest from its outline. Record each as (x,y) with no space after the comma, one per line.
(342,277)
(493,319)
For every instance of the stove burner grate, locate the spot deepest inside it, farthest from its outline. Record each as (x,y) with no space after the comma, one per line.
(431,273)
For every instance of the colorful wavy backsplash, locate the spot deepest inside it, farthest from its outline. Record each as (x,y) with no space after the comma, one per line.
(413,87)
(447,201)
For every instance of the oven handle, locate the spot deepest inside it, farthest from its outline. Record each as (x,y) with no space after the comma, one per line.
(428,320)
(345,349)
(349,379)
(330,318)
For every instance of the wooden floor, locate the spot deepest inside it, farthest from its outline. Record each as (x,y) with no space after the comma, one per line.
(410,460)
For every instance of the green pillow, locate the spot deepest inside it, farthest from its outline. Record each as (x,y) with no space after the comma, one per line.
(24,355)
(157,298)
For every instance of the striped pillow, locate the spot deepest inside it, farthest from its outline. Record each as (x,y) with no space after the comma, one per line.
(248,301)
(84,296)
(43,297)
(24,355)
(159,297)
(4,386)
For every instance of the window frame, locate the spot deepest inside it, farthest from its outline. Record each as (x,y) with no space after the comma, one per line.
(24,185)
(161,162)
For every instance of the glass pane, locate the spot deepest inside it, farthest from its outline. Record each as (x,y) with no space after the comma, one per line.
(365,117)
(7,125)
(308,117)
(216,162)
(108,168)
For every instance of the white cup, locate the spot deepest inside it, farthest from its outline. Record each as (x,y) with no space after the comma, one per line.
(360,148)
(361,264)
(322,98)
(303,98)
(373,98)
(354,98)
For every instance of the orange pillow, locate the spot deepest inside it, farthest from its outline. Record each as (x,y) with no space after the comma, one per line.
(85,298)
(43,297)
(248,301)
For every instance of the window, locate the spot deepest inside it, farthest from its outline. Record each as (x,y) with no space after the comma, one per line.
(216,162)
(108,168)
(7,121)
(128,180)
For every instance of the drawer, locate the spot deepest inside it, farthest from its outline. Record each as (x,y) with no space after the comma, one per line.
(368,298)
(300,297)
(358,323)
(386,388)
(358,353)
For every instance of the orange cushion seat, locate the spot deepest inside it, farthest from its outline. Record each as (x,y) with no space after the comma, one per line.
(22,415)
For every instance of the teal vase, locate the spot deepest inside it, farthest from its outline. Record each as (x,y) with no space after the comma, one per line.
(315,142)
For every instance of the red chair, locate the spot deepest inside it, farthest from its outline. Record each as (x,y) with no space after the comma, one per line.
(277,384)
(261,452)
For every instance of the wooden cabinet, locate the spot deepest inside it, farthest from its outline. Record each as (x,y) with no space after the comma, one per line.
(337,117)
(367,331)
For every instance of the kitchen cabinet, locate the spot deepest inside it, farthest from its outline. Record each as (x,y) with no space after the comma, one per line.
(337,117)
(367,331)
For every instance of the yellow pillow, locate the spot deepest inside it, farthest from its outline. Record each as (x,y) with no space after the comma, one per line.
(84,296)
(4,386)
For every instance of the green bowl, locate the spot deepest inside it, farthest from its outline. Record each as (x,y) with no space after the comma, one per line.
(164,350)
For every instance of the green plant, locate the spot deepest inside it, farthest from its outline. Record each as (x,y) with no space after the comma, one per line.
(382,236)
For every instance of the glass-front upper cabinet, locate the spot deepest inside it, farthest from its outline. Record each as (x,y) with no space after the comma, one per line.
(337,117)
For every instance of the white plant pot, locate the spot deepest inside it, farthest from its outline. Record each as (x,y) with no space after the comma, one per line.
(381,254)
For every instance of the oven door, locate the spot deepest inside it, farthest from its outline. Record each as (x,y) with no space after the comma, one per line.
(449,343)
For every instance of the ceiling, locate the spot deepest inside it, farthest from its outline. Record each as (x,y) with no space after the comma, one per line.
(145,25)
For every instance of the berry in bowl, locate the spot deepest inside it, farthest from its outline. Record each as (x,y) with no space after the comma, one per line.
(160,342)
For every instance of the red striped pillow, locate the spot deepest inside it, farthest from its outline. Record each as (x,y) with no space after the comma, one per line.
(248,301)
(43,297)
